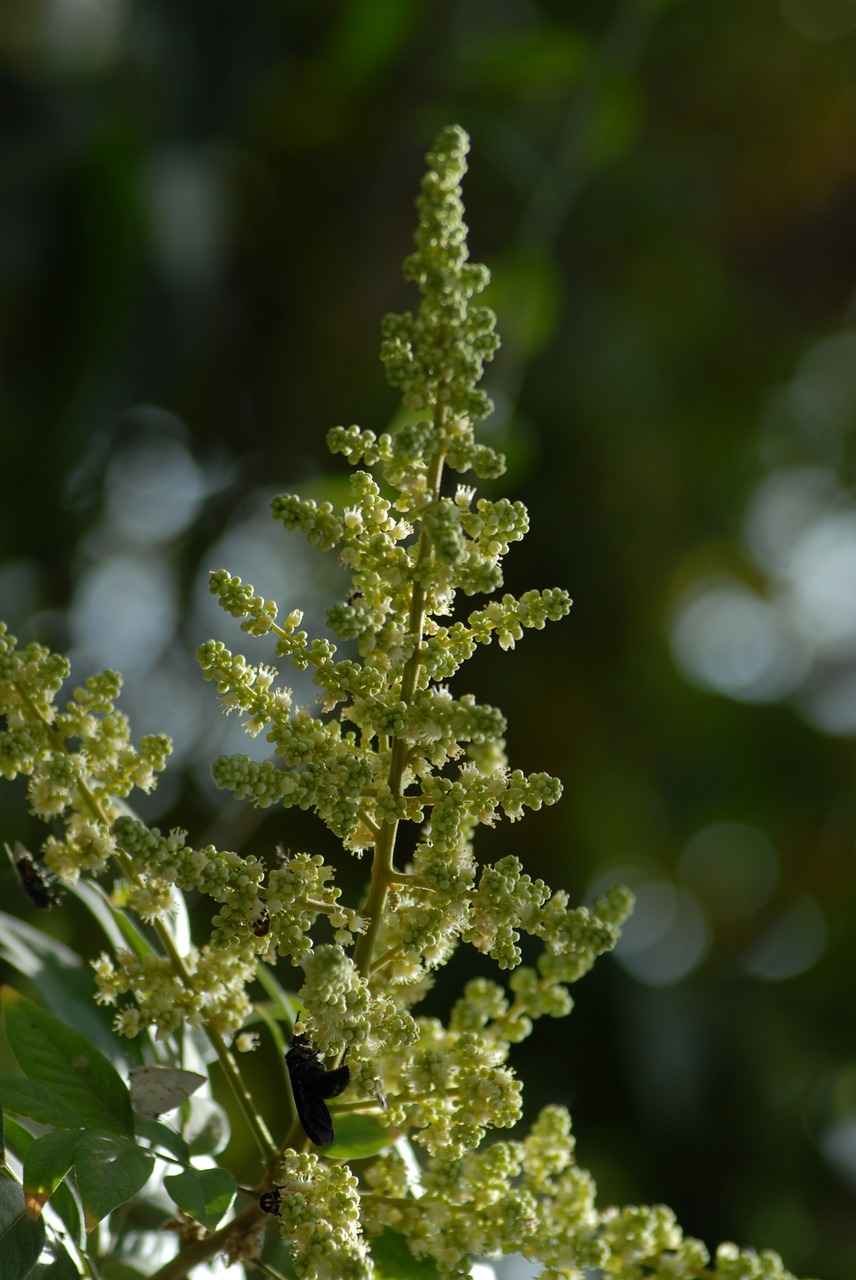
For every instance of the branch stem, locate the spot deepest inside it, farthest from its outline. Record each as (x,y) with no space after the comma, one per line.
(382,865)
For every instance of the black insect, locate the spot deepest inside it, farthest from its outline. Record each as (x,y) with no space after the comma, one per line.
(269,1201)
(36,880)
(261,924)
(311,1084)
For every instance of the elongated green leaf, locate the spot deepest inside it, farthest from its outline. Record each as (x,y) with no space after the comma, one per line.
(205,1195)
(359,1136)
(108,1170)
(287,1002)
(24,1098)
(117,926)
(46,1163)
(394,1261)
(264,1012)
(52,1054)
(65,984)
(21,1241)
(2,1137)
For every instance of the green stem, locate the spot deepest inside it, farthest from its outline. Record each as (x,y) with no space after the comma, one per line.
(387,958)
(382,865)
(412,882)
(229,1066)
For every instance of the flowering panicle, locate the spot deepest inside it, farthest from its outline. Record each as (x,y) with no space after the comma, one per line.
(391,744)
(79,759)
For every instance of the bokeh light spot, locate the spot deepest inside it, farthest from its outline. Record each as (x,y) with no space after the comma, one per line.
(727,639)
(154,487)
(732,867)
(820,19)
(667,934)
(124,612)
(794,941)
(821,577)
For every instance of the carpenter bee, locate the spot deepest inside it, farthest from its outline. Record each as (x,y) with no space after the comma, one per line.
(311,1084)
(269,1201)
(36,880)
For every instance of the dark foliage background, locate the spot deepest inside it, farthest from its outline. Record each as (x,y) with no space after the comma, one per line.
(203,210)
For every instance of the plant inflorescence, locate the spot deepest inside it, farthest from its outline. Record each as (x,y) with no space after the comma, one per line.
(400,768)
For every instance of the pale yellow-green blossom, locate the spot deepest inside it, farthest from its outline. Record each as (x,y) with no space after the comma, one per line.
(397,758)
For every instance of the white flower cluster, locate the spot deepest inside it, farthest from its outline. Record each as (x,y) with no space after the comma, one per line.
(319,1213)
(80,760)
(390,747)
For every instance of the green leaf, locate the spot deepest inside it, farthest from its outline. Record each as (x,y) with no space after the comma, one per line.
(119,929)
(358,1137)
(543,61)
(276,1254)
(203,1194)
(394,1261)
(525,290)
(65,1205)
(18,1139)
(370,35)
(286,1003)
(46,1163)
(207,1127)
(62,1267)
(21,1241)
(64,1200)
(52,1054)
(65,984)
(266,1013)
(2,1137)
(108,1170)
(616,117)
(160,1135)
(116,1269)
(24,1098)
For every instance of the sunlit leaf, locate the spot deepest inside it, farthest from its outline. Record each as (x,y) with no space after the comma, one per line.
(394,1261)
(46,1163)
(359,1136)
(52,1054)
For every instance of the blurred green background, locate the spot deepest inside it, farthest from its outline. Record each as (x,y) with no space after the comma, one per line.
(203,211)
